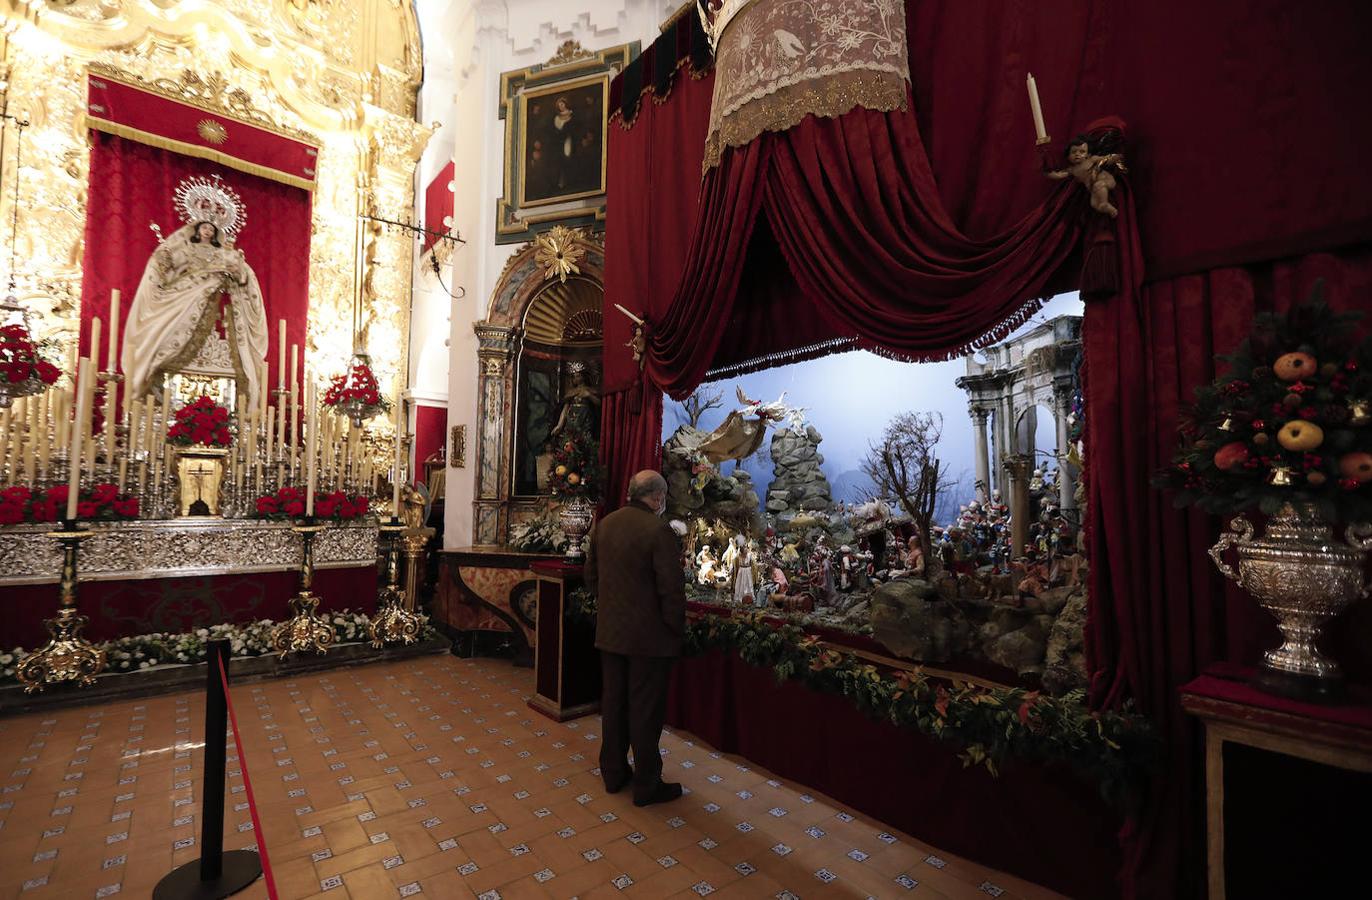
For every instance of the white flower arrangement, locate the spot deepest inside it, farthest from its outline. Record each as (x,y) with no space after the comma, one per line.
(129,654)
(538,535)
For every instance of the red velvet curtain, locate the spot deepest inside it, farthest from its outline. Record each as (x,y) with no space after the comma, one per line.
(1160,611)
(133,184)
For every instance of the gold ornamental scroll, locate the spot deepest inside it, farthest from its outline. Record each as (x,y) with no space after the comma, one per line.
(778,61)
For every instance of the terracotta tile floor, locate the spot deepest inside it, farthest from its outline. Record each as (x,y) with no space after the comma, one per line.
(427,777)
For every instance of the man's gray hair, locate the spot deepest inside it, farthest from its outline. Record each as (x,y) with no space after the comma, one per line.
(646,483)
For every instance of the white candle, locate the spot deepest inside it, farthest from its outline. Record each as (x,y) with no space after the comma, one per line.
(399,444)
(311,439)
(114,330)
(95,344)
(83,409)
(44,442)
(1040,134)
(295,397)
(281,354)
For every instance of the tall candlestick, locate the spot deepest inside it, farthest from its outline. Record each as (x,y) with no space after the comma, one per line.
(31,445)
(83,409)
(15,449)
(280,354)
(1040,134)
(4,444)
(311,439)
(166,416)
(399,444)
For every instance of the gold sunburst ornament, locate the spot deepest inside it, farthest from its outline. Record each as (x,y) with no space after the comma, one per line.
(558,253)
(212,131)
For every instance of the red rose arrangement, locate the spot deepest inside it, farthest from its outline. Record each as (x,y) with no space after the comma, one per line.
(360,389)
(289,503)
(103,501)
(201,422)
(20,361)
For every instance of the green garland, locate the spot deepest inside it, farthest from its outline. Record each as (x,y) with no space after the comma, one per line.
(1116,750)
(130,654)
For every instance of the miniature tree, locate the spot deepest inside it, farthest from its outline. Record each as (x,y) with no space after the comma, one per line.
(701,401)
(903,465)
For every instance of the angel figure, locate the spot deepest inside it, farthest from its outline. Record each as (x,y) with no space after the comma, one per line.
(1093,171)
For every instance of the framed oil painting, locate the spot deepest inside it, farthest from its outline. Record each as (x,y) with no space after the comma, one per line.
(556,117)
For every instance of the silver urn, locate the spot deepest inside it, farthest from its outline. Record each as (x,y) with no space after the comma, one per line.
(1304,577)
(575,518)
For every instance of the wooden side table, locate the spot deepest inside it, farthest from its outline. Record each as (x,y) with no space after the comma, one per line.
(566,662)
(1234,711)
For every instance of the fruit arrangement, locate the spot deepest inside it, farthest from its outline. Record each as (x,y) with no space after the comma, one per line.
(1289,420)
(576,469)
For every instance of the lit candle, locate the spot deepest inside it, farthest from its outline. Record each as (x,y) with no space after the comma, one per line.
(311,439)
(281,354)
(399,443)
(1040,134)
(83,396)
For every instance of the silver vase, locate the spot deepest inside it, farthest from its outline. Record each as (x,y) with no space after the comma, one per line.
(575,518)
(1301,575)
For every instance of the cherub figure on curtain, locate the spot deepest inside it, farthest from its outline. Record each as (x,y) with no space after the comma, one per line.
(1092,167)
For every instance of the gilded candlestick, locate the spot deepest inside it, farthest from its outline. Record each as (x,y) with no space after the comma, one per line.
(305,629)
(67,656)
(395,619)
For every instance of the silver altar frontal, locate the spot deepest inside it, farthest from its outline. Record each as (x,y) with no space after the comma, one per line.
(174,548)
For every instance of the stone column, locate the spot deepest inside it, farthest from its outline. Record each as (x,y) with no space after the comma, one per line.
(1067,480)
(983,458)
(494,353)
(1019,467)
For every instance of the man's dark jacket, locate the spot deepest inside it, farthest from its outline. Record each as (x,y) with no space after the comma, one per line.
(634,567)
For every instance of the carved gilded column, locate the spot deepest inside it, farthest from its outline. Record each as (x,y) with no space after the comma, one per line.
(495,351)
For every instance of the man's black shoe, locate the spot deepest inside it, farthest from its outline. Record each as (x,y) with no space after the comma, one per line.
(665,792)
(614,787)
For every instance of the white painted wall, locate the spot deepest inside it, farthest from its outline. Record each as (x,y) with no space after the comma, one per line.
(467,44)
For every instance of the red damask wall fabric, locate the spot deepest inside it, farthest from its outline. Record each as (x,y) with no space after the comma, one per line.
(430,423)
(1160,612)
(133,184)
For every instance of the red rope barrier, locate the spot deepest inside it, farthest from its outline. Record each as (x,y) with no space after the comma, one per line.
(247,786)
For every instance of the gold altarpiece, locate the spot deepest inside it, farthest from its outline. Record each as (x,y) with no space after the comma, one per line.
(343,74)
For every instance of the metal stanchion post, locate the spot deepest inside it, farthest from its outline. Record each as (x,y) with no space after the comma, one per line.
(216,873)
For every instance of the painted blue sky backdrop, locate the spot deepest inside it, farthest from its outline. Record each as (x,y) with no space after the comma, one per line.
(850,397)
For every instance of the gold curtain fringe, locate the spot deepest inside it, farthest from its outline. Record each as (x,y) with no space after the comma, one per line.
(156,140)
(785,107)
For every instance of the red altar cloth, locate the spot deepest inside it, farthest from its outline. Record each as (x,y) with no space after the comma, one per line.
(173,605)
(1228,683)
(1042,823)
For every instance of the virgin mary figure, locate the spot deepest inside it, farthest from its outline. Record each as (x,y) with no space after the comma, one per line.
(178,300)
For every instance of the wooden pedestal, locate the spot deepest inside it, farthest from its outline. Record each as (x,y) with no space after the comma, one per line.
(566,663)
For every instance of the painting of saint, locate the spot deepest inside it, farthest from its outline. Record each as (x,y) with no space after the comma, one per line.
(564,143)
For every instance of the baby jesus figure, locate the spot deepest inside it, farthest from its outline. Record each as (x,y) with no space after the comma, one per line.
(1093,171)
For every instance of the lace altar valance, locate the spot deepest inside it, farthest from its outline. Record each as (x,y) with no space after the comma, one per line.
(781,60)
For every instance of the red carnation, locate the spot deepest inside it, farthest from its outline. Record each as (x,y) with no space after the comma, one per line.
(48,372)
(295,508)
(11,513)
(86,509)
(362,504)
(104,493)
(57,493)
(17,494)
(19,371)
(128,507)
(266,506)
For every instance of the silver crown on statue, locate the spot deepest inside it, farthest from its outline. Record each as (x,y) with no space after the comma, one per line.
(201,199)
(715,16)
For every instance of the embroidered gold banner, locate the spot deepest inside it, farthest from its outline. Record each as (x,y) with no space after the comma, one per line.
(779,61)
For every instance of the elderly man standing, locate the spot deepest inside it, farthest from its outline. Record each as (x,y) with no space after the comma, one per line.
(634,566)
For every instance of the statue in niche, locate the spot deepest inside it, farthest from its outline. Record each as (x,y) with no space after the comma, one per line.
(178,299)
(580,412)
